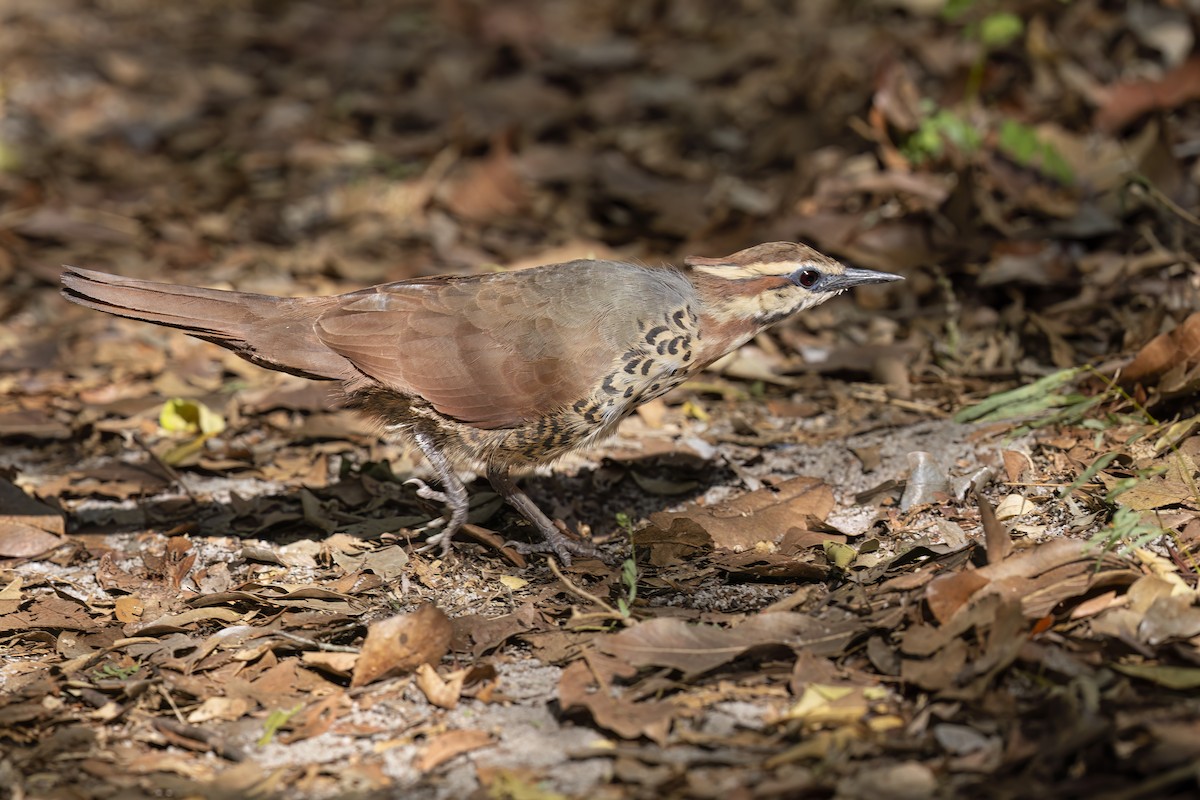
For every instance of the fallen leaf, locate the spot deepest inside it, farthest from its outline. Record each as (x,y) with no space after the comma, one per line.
(761,516)
(577,688)
(1168,359)
(1179,678)
(450,745)
(399,644)
(695,649)
(443,693)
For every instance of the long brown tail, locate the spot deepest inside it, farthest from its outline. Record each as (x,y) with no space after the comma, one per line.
(273,332)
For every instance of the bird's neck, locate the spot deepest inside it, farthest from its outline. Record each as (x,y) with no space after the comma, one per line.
(734,311)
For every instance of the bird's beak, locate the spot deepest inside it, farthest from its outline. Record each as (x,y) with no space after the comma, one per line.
(856,277)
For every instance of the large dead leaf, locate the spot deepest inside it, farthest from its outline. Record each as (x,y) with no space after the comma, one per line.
(1169,361)
(695,649)
(763,516)
(399,644)
(577,688)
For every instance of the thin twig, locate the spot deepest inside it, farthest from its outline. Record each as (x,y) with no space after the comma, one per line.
(168,470)
(610,612)
(330,648)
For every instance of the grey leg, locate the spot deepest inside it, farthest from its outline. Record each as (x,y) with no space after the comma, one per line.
(559,543)
(453,493)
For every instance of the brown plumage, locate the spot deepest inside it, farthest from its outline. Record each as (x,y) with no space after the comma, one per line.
(504,370)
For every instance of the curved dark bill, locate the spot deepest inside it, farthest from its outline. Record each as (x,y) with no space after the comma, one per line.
(856,277)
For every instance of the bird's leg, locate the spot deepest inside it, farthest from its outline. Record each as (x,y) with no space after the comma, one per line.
(453,493)
(558,542)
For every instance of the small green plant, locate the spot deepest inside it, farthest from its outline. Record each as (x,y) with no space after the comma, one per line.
(1020,142)
(1124,533)
(993,30)
(1046,401)
(629,570)
(939,128)
(276,720)
(109,671)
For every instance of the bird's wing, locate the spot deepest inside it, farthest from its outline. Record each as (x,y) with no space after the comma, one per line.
(494,351)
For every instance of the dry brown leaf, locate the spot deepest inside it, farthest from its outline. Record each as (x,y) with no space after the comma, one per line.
(772,566)
(1051,573)
(488,189)
(1015,464)
(399,644)
(442,692)
(1168,357)
(695,649)
(19,540)
(177,622)
(220,708)
(996,539)
(1128,101)
(16,507)
(1158,492)
(449,745)
(478,634)
(129,608)
(761,516)
(340,664)
(319,717)
(48,612)
(683,538)
(577,688)
(948,592)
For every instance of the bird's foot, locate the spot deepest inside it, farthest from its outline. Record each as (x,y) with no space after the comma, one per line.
(452,522)
(427,492)
(562,545)
(443,540)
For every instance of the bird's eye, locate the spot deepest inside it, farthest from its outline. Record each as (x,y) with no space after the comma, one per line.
(807,278)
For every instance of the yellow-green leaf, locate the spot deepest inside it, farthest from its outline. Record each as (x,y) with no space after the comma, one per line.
(840,555)
(1181,678)
(179,415)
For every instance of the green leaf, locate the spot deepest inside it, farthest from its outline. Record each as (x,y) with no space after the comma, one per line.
(1022,401)
(190,416)
(1092,471)
(10,157)
(1181,678)
(629,577)
(929,140)
(1000,29)
(1022,144)
(1019,141)
(953,9)
(276,720)
(840,555)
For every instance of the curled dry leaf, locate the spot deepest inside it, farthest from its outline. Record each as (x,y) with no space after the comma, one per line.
(995,536)
(443,693)
(1169,360)
(399,644)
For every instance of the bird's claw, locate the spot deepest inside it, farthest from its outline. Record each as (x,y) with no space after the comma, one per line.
(427,492)
(438,540)
(562,546)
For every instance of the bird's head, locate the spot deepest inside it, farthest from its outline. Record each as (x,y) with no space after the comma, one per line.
(768,282)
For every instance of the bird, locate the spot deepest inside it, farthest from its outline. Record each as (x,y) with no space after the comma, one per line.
(502,371)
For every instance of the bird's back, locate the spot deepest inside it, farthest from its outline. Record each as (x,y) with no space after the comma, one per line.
(498,350)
